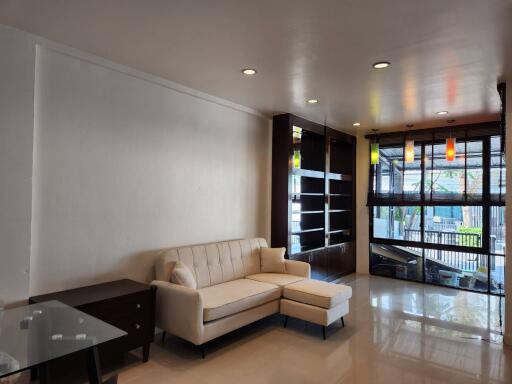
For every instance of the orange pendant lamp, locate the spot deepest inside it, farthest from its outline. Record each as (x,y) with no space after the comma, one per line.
(409,151)
(450,149)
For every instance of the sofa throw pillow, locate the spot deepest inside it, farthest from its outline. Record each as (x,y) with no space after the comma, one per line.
(272,260)
(182,275)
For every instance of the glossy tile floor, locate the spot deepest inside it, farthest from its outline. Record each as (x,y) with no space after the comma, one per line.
(396,332)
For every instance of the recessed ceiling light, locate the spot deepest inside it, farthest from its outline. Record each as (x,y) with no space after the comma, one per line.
(312,101)
(356,124)
(249,71)
(381,64)
(442,113)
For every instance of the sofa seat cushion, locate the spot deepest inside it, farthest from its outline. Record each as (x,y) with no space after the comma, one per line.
(317,293)
(235,296)
(280,279)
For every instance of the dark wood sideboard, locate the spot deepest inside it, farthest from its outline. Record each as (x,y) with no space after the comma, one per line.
(126,304)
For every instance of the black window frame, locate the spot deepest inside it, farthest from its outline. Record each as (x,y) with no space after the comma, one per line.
(487,201)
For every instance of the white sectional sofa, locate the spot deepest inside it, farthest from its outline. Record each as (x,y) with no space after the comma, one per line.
(231,289)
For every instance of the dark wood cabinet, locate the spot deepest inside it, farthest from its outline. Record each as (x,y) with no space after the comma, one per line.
(313,185)
(320,264)
(125,304)
(336,261)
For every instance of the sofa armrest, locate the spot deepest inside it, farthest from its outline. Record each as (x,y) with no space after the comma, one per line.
(179,310)
(298,268)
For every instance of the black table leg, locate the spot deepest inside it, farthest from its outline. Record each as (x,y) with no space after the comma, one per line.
(145,352)
(34,374)
(93,365)
(44,375)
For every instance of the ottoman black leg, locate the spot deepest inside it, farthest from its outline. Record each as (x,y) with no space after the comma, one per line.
(145,352)
(285,321)
(342,322)
(203,351)
(323,331)
(163,337)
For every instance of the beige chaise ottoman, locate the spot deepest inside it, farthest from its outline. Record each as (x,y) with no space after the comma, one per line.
(315,301)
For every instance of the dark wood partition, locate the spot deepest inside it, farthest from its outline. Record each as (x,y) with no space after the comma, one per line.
(313,185)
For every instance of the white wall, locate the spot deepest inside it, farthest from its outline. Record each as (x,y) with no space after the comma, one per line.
(125,166)
(362,235)
(16,127)
(123,163)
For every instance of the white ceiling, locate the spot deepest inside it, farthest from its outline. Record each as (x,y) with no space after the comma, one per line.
(445,54)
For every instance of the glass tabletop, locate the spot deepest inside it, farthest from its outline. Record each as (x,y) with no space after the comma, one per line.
(37,333)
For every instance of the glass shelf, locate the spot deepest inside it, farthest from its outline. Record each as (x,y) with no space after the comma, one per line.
(307,230)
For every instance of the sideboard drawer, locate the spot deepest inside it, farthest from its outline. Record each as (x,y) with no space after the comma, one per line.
(131,313)
(126,306)
(137,328)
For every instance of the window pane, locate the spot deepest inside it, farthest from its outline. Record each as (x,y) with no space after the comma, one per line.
(394,176)
(396,261)
(456,269)
(448,179)
(453,225)
(497,230)
(412,173)
(497,170)
(442,176)
(497,274)
(475,173)
(388,178)
(400,223)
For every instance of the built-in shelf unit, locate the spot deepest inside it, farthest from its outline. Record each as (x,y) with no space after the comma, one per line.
(313,184)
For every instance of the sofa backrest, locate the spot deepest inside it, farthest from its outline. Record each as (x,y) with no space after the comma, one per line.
(213,263)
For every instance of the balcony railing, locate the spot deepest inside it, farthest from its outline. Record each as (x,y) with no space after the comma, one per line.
(460,260)
(448,238)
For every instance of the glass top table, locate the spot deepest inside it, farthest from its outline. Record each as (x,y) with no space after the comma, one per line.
(33,335)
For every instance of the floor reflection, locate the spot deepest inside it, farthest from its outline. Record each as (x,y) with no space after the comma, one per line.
(396,332)
(426,330)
